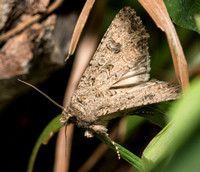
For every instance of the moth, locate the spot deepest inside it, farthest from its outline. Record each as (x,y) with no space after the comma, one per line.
(116,81)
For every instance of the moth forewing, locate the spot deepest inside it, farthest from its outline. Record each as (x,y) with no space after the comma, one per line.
(123,49)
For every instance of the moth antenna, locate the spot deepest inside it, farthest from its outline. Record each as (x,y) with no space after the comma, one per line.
(113,143)
(45,95)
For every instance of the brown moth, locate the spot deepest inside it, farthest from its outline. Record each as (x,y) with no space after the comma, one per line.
(116,81)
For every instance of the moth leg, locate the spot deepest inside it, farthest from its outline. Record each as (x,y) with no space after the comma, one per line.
(100,129)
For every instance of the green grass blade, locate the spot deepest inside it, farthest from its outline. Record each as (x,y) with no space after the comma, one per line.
(51,128)
(155,113)
(184,117)
(125,154)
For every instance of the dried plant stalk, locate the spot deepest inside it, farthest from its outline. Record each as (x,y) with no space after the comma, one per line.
(158,12)
(79,26)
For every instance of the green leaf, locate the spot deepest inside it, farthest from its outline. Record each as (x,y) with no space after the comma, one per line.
(186,158)
(47,133)
(184,117)
(125,154)
(185,13)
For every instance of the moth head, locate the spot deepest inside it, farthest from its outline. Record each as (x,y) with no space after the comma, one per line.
(66,117)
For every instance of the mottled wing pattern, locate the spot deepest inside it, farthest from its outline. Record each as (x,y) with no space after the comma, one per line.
(122,53)
(128,100)
(123,101)
(116,81)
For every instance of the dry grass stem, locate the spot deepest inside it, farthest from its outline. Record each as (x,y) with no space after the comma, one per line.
(79,26)
(158,12)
